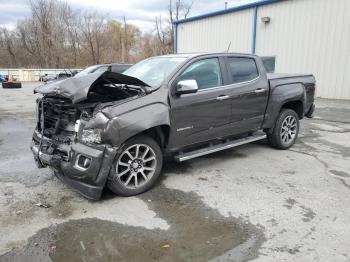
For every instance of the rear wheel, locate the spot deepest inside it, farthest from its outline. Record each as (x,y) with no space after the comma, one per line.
(136,167)
(285,131)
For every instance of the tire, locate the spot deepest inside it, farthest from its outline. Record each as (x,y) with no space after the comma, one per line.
(132,174)
(285,131)
(11,85)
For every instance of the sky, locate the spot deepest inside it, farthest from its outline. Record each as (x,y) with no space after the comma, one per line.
(139,12)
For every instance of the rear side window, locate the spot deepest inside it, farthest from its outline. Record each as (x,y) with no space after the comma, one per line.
(242,69)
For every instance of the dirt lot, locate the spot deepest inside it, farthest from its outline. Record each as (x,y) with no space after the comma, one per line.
(252,202)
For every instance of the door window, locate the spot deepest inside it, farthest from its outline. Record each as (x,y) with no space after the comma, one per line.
(242,69)
(206,72)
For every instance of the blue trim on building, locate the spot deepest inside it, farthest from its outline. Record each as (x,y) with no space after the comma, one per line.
(175,38)
(255,17)
(226,11)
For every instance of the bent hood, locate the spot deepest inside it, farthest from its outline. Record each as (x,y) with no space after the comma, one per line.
(77,88)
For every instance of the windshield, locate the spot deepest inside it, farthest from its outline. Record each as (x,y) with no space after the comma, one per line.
(92,69)
(154,71)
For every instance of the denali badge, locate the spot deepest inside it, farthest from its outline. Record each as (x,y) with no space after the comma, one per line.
(184,128)
(77,126)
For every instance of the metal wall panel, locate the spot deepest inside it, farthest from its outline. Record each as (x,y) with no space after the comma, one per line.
(306,36)
(309,36)
(214,34)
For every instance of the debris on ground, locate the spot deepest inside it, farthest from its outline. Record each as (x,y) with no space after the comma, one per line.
(165,245)
(52,248)
(43,205)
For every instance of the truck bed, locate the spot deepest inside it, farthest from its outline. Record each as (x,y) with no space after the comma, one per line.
(271,76)
(278,81)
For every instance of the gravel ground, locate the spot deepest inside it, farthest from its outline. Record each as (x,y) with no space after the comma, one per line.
(248,203)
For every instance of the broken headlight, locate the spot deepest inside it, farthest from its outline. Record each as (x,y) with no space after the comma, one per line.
(91,136)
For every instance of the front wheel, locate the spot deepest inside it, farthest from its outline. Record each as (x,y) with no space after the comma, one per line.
(285,131)
(136,167)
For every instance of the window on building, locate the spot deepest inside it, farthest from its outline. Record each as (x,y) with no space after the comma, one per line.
(269,63)
(206,72)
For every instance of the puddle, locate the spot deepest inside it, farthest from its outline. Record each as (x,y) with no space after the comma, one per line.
(197,233)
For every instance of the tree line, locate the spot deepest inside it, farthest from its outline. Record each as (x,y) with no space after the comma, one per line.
(56,36)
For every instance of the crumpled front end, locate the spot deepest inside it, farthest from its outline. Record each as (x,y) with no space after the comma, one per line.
(81,162)
(73,136)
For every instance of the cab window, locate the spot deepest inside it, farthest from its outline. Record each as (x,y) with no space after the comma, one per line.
(242,69)
(206,72)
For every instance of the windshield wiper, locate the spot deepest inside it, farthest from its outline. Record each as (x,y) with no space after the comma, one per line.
(124,87)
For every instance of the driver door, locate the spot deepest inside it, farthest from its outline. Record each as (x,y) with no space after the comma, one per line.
(204,115)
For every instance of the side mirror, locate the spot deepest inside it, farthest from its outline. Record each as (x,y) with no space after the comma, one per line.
(186,87)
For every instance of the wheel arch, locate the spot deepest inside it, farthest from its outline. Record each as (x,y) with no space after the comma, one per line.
(152,120)
(159,133)
(296,105)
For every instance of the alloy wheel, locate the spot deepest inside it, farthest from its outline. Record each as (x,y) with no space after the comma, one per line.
(288,129)
(136,165)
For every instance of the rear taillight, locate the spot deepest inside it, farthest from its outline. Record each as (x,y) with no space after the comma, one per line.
(315,89)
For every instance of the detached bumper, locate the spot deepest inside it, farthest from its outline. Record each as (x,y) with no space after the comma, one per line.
(83,167)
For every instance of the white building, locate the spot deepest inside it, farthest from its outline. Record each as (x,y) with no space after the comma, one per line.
(303,36)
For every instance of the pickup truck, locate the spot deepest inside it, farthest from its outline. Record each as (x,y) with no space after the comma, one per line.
(114,130)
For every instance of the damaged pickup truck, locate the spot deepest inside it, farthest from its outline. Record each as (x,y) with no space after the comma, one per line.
(110,129)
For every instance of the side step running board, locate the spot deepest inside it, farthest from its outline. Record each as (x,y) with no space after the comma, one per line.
(219,147)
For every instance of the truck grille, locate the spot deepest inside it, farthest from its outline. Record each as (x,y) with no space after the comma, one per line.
(59,117)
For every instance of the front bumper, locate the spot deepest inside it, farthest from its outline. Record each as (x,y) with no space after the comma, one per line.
(83,167)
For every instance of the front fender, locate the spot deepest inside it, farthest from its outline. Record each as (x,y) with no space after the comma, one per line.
(136,121)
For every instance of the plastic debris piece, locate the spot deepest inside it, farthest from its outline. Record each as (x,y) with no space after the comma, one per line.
(165,246)
(52,248)
(43,205)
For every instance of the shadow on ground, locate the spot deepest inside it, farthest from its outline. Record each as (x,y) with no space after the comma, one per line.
(196,233)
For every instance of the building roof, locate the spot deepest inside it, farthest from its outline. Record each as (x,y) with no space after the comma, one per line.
(226,11)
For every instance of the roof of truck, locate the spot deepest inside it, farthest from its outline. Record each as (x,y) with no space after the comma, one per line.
(190,55)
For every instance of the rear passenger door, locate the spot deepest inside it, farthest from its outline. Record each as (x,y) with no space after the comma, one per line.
(249,93)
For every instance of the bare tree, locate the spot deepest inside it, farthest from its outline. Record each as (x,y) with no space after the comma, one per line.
(43,14)
(179,10)
(162,35)
(8,38)
(165,29)
(71,32)
(55,36)
(92,28)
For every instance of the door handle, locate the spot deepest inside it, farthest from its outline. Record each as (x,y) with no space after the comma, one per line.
(222,97)
(259,90)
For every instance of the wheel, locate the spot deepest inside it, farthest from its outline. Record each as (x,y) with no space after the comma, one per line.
(11,85)
(136,167)
(285,131)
